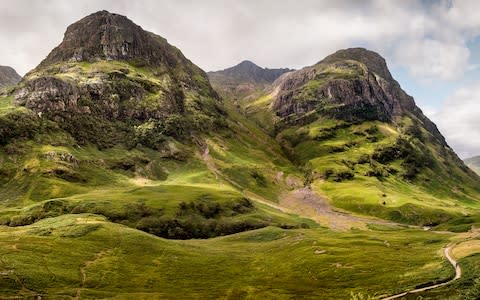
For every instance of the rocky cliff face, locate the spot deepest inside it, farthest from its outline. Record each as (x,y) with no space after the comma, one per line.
(353,85)
(8,76)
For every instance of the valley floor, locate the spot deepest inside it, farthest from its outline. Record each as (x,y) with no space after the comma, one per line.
(84,256)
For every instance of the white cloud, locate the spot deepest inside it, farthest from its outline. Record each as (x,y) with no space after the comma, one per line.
(428,40)
(459,120)
(433,59)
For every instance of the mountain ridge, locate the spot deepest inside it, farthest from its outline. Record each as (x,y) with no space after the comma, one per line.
(247,70)
(109,71)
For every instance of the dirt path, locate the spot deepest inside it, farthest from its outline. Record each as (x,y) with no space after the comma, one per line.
(305,202)
(458,274)
(83,271)
(209,161)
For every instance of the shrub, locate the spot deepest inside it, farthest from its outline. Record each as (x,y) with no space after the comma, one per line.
(259,178)
(19,125)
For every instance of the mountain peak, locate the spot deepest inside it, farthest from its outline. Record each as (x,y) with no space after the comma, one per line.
(248,63)
(245,67)
(248,71)
(107,36)
(374,61)
(8,76)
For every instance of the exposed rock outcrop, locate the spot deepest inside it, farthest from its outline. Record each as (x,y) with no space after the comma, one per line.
(107,36)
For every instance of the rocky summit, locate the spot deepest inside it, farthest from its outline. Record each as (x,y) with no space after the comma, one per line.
(249,71)
(107,36)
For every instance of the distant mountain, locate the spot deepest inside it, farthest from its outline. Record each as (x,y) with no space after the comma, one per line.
(248,71)
(8,77)
(473,163)
(244,79)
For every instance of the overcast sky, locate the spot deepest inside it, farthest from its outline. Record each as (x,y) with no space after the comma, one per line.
(431,47)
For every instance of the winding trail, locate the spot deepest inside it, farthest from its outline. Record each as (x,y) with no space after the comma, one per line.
(458,274)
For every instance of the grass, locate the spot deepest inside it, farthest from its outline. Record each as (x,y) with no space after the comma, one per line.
(268,263)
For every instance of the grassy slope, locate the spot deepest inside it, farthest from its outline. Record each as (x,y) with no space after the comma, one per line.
(108,253)
(110,181)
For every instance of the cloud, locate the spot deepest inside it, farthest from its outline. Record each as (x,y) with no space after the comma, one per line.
(429,40)
(458,120)
(434,59)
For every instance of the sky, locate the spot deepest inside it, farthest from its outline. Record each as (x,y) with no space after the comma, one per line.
(432,47)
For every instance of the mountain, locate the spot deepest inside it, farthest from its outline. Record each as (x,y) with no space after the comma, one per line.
(362,141)
(111,72)
(112,106)
(124,174)
(473,163)
(244,79)
(8,77)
